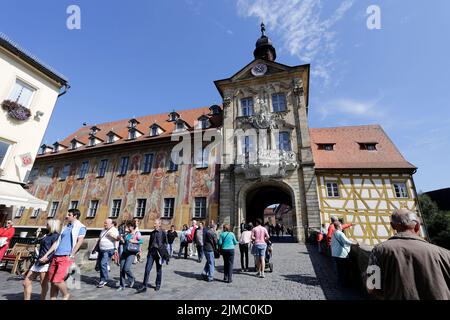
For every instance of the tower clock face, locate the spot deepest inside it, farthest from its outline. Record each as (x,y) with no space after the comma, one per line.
(259,69)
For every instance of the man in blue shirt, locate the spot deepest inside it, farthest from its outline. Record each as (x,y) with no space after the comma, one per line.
(65,250)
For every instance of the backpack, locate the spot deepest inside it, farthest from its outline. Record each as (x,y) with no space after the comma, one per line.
(190,236)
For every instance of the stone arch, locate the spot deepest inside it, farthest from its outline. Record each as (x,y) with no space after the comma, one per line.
(273,191)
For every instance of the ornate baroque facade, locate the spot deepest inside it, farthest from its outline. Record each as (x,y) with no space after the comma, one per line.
(264,154)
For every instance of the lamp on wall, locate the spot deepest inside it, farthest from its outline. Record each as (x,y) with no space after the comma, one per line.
(38,115)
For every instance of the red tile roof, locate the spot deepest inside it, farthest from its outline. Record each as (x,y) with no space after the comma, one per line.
(120,128)
(347,154)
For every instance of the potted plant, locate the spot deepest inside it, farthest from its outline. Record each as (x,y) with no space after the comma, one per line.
(16,110)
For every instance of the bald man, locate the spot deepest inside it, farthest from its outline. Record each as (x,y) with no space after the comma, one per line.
(107,245)
(408,267)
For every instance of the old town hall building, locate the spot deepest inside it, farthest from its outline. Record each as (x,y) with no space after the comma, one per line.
(262,153)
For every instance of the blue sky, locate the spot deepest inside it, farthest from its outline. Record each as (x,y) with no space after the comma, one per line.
(155,56)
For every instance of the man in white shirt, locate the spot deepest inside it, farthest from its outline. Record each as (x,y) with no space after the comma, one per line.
(107,245)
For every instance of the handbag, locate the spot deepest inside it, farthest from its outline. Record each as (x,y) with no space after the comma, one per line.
(219,252)
(94,253)
(132,247)
(3,241)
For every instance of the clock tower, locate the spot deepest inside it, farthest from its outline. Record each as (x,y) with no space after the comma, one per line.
(267,160)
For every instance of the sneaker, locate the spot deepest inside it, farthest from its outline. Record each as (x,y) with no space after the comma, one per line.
(258,273)
(157,288)
(131,284)
(262,275)
(101,284)
(120,289)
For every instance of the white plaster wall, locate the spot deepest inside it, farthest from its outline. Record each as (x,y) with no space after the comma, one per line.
(26,136)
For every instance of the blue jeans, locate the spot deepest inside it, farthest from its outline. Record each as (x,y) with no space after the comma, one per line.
(153,257)
(126,261)
(209,266)
(105,257)
(170,249)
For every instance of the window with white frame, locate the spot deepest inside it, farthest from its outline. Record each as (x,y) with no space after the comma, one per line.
(83,170)
(92,141)
(65,172)
(169,204)
(278,102)
(154,131)
(332,190)
(247,107)
(400,190)
(140,208)
(53,209)
(19,212)
(200,207)
(147,163)
(73,204)
(115,209)
(132,134)
(103,167)
(22,93)
(202,159)
(35,213)
(4,150)
(284,141)
(93,206)
(123,165)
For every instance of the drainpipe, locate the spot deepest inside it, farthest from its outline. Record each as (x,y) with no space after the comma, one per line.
(66,87)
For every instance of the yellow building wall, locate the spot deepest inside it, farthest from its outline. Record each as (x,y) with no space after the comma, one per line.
(367,200)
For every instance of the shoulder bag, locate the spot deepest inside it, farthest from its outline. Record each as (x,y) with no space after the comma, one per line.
(94,253)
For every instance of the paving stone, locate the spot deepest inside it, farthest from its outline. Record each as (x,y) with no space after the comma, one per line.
(300,273)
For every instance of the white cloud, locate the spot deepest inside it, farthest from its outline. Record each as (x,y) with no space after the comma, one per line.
(303,30)
(351,108)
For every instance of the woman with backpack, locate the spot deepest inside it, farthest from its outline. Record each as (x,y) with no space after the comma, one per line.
(227,242)
(132,246)
(38,268)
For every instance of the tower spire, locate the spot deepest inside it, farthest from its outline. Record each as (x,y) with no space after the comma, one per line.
(264,49)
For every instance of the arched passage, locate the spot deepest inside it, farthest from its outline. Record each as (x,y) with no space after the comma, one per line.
(255,198)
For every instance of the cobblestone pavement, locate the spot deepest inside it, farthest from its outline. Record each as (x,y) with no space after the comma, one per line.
(300,273)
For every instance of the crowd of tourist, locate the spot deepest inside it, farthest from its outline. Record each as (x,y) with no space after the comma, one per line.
(408,266)
(123,244)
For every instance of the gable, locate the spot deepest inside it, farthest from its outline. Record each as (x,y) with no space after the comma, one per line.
(246,72)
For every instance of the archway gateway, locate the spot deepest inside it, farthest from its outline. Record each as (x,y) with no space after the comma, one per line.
(255,198)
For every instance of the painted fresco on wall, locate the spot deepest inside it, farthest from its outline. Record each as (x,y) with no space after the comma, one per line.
(183,185)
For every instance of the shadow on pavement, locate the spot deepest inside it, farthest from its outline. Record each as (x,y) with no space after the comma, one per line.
(19,296)
(324,270)
(307,280)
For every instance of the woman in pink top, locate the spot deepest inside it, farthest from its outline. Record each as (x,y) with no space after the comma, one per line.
(260,236)
(244,243)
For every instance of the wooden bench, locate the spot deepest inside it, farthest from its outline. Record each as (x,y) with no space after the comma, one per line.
(18,254)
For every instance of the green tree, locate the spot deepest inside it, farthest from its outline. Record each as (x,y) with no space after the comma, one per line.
(437,221)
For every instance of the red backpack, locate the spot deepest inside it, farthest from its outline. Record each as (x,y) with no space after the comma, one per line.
(190,236)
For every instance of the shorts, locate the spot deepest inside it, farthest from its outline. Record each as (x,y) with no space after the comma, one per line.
(40,267)
(58,268)
(260,249)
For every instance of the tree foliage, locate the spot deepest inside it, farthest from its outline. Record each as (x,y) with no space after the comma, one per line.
(437,221)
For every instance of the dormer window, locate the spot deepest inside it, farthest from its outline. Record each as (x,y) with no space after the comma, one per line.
(173,116)
(110,136)
(370,146)
(215,109)
(132,134)
(44,149)
(133,123)
(73,145)
(154,130)
(203,122)
(180,125)
(94,130)
(92,141)
(326,146)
